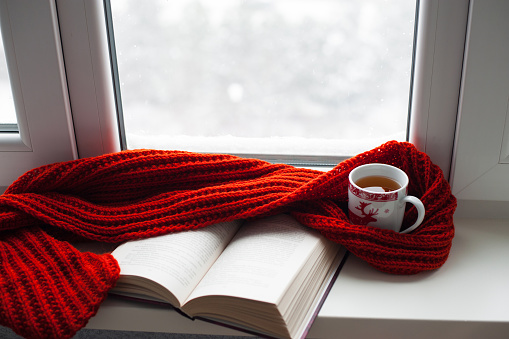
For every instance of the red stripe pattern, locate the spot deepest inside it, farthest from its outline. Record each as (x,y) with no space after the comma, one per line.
(50,289)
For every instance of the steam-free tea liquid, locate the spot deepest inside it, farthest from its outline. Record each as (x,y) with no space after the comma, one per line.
(385,183)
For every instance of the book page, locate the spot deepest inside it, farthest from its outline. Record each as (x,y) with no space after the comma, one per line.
(176,261)
(261,260)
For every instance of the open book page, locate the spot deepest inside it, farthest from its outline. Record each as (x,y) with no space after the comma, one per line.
(261,260)
(176,261)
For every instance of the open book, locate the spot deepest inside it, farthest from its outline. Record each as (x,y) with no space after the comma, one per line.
(267,276)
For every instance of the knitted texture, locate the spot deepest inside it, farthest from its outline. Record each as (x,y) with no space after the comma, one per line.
(50,289)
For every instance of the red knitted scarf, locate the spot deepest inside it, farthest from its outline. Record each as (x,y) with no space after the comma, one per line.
(50,289)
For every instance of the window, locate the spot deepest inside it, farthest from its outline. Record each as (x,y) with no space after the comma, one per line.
(293,78)
(437,78)
(483,128)
(60,75)
(8,120)
(44,131)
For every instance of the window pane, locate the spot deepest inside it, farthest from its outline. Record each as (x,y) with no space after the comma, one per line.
(300,77)
(7,111)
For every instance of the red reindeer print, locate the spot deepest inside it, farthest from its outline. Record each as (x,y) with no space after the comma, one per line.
(366,217)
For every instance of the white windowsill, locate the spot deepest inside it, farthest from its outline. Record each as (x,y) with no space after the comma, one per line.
(465,298)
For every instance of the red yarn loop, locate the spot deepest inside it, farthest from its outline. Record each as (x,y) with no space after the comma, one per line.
(144,193)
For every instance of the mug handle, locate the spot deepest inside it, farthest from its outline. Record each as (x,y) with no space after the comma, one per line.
(420,212)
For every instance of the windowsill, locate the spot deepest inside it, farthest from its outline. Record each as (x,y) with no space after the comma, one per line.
(465,298)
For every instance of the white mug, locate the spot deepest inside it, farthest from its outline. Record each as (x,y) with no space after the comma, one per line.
(379,207)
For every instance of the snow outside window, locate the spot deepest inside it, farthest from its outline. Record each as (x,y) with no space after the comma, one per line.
(290,78)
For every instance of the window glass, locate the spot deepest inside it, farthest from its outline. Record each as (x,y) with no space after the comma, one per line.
(7,112)
(299,77)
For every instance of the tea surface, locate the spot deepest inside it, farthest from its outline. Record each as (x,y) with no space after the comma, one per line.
(387,184)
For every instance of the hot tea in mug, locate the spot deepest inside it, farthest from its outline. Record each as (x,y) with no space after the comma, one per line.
(378,181)
(377,196)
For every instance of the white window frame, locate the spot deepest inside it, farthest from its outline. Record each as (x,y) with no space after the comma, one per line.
(440,23)
(440,47)
(480,163)
(440,42)
(34,59)
(89,76)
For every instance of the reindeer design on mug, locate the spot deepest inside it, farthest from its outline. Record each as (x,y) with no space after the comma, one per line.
(365,217)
